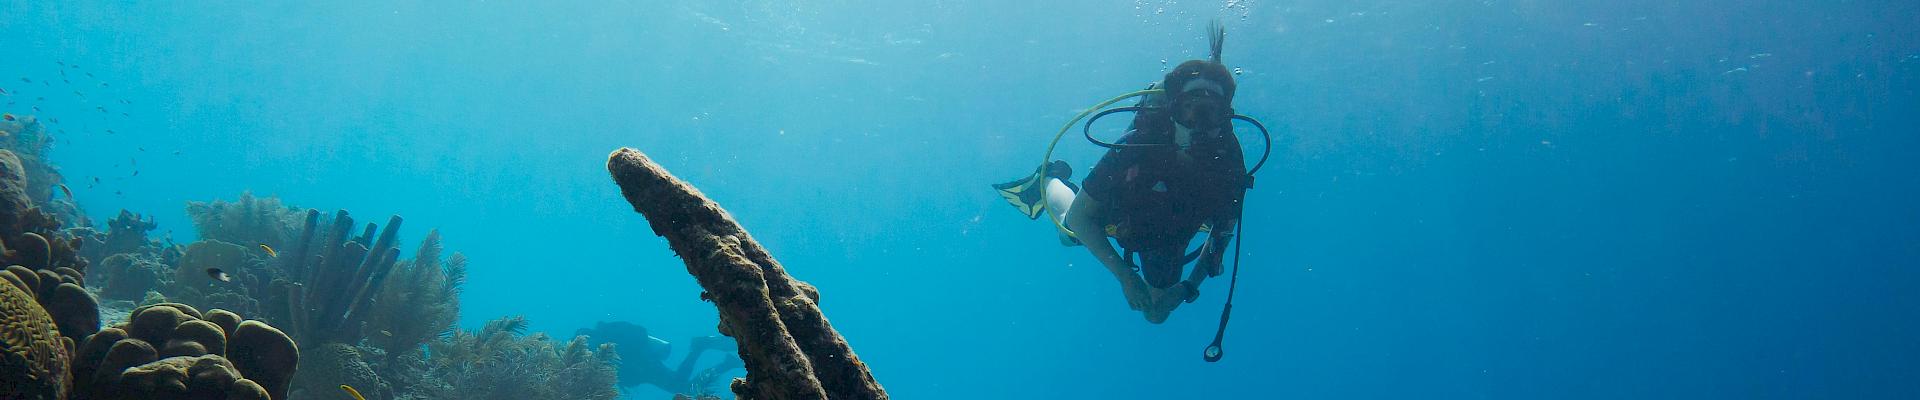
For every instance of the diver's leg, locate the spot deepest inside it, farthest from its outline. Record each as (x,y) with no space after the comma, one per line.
(1059,202)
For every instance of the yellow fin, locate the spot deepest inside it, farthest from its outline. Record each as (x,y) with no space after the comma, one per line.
(269,249)
(355,393)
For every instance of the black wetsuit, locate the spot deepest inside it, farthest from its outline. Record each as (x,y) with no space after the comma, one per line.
(1155,202)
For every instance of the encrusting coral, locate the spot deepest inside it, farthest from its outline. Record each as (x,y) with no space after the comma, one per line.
(173,351)
(790,350)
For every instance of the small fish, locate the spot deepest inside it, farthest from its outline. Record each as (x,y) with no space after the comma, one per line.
(96,179)
(55,120)
(269,249)
(25,80)
(66,191)
(136,172)
(109,131)
(62,63)
(103,84)
(350,392)
(89,74)
(8,117)
(384,332)
(101,108)
(4,91)
(219,275)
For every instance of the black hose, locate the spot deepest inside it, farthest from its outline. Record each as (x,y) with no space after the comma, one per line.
(1213,352)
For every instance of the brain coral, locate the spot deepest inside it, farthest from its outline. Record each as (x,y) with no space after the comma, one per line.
(35,363)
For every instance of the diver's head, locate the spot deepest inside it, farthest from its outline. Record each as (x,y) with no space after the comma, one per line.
(1201,93)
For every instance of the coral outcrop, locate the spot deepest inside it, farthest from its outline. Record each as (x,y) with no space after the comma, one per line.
(29,143)
(790,350)
(174,351)
(44,309)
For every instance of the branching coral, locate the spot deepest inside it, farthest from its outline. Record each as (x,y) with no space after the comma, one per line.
(126,263)
(126,234)
(790,350)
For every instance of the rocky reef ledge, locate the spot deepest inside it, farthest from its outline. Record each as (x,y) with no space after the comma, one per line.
(790,350)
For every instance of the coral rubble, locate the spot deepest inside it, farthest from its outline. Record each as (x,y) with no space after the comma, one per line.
(790,350)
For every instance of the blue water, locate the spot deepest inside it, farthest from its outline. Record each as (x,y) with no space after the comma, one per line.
(1488,199)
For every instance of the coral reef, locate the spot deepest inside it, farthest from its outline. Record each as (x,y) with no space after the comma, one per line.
(330,365)
(247,221)
(191,282)
(128,276)
(499,362)
(33,237)
(126,263)
(790,350)
(126,234)
(29,143)
(45,309)
(420,303)
(332,282)
(171,350)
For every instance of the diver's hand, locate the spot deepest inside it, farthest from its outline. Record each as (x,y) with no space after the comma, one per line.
(1136,291)
(1210,262)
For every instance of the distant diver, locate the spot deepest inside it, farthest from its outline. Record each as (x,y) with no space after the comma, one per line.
(643,358)
(1178,171)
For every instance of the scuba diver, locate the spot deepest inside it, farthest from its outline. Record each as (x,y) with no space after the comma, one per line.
(1176,173)
(643,358)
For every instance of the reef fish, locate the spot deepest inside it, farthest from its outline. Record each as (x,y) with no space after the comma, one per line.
(350,392)
(219,275)
(8,117)
(66,191)
(269,249)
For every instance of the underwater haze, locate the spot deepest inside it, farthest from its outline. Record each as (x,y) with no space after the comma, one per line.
(1466,199)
